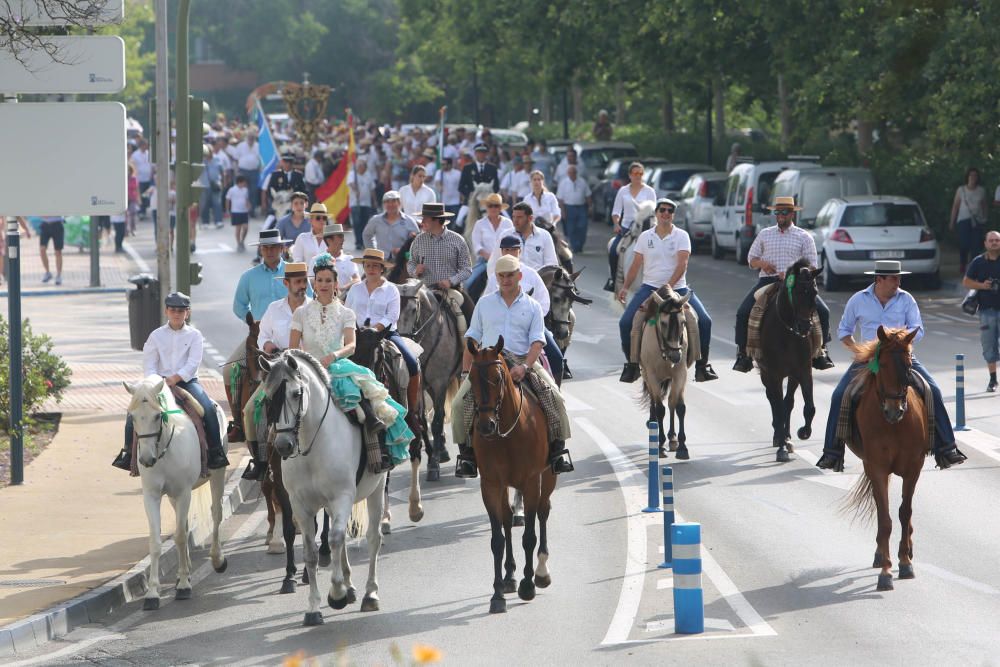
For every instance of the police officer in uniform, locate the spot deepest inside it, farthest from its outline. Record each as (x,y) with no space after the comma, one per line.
(284,178)
(478,171)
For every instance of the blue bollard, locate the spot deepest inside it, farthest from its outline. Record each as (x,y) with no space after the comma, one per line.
(667,474)
(960,393)
(653,497)
(689,601)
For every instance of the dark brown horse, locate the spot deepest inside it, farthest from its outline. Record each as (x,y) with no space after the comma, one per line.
(786,352)
(510,439)
(891,439)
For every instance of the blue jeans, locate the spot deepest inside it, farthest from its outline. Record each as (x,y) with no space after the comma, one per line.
(478,269)
(613,254)
(943,434)
(576,226)
(211,420)
(211,200)
(643,293)
(412,366)
(554,356)
(970,238)
(989,332)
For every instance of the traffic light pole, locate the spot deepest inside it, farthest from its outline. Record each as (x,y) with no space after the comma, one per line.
(162,139)
(183,157)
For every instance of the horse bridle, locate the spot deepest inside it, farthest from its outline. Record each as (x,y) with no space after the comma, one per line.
(294,429)
(905,383)
(798,327)
(159,434)
(664,345)
(484,383)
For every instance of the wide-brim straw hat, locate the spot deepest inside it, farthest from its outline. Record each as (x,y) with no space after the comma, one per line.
(494,198)
(294,270)
(336,229)
(784,202)
(888,267)
(373,255)
(319,208)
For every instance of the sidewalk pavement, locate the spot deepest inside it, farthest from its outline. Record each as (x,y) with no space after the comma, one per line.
(77,523)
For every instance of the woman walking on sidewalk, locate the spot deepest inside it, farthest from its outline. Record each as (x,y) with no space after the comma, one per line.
(968,214)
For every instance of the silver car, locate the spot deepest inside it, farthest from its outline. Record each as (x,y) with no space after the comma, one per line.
(669,179)
(694,205)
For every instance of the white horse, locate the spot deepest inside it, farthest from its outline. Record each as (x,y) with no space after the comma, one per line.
(477,209)
(169,457)
(322,454)
(644,219)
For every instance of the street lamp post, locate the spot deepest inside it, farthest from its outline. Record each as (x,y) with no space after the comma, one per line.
(183,157)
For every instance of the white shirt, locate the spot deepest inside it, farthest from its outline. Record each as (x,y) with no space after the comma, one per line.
(530,282)
(314,172)
(520,324)
(413,202)
(143,167)
(573,193)
(239,199)
(625,204)
(173,352)
(563,168)
(365,187)
(306,247)
(450,151)
(381,306)
(247,157)
(547,206)
(448,180)
(517,184)
(659,256)
(539,250)
(151,193)
(276,325)
(485,237)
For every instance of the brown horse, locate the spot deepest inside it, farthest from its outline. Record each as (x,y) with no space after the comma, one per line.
(510,440)
(786,352)
(891,437)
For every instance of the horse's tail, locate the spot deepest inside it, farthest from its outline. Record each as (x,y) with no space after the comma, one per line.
(449,396)
(861,500)
(357,524)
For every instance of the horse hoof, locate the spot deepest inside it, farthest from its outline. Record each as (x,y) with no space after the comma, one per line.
(682,453)
(415,517)
(878,560)
(324,561)
(498,606)
(884,582)
(151,604)
(369,604)
(386,528)
(789,447)
(906,571)
(543,582)
(352,595)
(183,594)
(782,455)
(433,475)
(222,568)
(287,586)
(518,521)
(663,452)
(509,585)
(526,591)
(313,618)
(337,604)
(804,433)
(275,548)
(673,445)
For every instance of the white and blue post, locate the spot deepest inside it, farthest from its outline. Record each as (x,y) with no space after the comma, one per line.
(689,601)
(667,474)
(653,497)
(960,393)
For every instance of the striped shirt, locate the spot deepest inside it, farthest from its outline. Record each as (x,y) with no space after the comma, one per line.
(783,248)
(445,257)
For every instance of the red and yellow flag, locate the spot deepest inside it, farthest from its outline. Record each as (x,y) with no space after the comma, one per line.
(334,192)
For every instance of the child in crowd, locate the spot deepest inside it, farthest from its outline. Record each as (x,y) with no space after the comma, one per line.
(238,205)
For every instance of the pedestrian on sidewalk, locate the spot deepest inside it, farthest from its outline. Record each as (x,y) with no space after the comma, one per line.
(3,242)
(983,275)
(238,205)
(134,199)
(52,230)
(968,215)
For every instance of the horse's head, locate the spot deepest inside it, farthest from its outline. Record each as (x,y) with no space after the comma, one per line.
(670,330)
(888,358)
(800,294)
(645,217)
(563,293)
(489,377)
(281,202)
(398,274)
(286,395)
(149,408)
(367,341)
(411,299)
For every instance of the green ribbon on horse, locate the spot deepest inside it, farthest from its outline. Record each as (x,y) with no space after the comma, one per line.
(789,284)
(873,364)
(164,413)
(258,407)
(234,378)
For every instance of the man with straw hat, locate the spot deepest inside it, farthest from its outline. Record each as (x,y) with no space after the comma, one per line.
(307,246)
(773,251)
(884,304)
(487,234)
(440,259)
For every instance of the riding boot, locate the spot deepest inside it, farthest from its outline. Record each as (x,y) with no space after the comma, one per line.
(465,462)
(703,371)
(217,458)
(235,432)
(946,457)
(823,361)
(257,468)
(371,421)
(567,373)
(744,364)
(833,458)
(559,457)
(123,460)
(630,373)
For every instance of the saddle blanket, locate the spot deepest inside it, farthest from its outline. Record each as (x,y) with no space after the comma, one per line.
(763,296)
(195,413)
(845,417)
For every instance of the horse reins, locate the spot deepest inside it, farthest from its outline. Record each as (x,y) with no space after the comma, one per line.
(793,328)
(294,430)
(672,325)
(484,383)
(901,370)
(159,433)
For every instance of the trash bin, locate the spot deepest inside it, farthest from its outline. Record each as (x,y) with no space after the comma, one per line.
(143,308)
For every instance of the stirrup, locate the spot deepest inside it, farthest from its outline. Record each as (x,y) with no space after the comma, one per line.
(123,461)
(465,468)
(234,432)
(831,461)
(561,462)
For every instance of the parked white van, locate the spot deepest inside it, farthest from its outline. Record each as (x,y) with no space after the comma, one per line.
(812,188)
(742,211)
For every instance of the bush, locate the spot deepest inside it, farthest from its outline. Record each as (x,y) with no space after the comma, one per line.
(44,374)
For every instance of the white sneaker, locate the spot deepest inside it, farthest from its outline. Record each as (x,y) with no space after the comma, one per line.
(59,279)
(47,277)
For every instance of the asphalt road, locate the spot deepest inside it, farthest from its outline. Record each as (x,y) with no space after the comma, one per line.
(787,577)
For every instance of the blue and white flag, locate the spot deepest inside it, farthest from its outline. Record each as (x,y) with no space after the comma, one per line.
(268,151)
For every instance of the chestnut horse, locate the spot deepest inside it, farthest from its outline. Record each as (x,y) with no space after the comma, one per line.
(891,437)
(510,440)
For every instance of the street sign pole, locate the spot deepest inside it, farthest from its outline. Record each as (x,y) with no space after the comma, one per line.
(183,159)
(162,130)
(14,322)
(95,228)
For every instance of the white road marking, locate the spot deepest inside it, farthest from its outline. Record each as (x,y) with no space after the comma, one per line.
(981,442)
(842,481)
(710,624)
(134,254)
(574,404)
(719,339)
(75,647)
(587,339)
(633,487)
(727,397)
(941,573)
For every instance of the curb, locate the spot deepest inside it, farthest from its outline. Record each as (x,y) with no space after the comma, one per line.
(93,606)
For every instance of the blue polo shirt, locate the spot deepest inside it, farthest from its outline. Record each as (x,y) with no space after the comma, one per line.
(257,288)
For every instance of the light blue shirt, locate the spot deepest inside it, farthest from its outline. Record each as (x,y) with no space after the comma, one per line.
(257,289)
(520,325)
(865,309)
(289,231)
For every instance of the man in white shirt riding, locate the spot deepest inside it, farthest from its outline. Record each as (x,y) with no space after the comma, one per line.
(314,173)
(539,249)
(307,246)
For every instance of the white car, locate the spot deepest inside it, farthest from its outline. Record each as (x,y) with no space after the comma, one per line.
(864,228)
(694,208)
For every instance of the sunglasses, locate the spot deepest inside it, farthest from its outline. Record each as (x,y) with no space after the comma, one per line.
(782,212)
(666,209)
(493,206)
(319,217)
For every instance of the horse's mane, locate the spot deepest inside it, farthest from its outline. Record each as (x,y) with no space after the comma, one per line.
(146,387)
(399,261)
(313,362)
(864,352)
(801,263)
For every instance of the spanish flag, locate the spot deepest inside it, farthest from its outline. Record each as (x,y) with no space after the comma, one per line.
(335,192)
